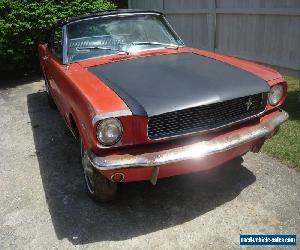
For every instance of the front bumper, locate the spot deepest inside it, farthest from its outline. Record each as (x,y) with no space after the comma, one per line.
(227,141)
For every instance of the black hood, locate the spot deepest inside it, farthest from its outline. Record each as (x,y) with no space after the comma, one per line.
(160,84)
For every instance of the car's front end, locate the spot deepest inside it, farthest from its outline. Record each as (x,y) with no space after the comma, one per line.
(186,141)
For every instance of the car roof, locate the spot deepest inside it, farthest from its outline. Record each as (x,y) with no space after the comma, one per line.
(104,13)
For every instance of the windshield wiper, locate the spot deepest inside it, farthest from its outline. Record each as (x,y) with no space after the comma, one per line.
(165,45)
(102,48)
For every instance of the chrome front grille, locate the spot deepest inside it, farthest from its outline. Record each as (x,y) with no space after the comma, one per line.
(206,117)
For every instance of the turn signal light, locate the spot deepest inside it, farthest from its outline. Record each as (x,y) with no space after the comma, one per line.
(118,177)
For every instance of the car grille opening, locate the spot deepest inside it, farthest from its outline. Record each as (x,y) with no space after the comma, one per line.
(206,117)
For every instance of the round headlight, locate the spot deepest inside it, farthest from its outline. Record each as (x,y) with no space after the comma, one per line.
(275,94)
(109,131)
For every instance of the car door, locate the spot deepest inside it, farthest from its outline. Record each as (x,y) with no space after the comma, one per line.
(54,67)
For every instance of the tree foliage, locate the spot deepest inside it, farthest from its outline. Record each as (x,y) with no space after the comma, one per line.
(25,23)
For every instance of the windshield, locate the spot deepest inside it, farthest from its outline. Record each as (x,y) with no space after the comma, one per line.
(118,34)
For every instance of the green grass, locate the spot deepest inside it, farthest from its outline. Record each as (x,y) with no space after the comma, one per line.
(286,144)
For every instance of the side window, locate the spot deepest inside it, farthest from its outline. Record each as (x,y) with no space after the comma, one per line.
(56,41)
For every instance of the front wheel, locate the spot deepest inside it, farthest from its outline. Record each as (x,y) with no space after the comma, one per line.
(99,188)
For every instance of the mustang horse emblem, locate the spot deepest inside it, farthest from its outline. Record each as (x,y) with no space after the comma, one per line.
(249,103)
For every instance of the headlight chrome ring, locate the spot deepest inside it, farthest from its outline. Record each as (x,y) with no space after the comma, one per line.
(109,131)
(275,95)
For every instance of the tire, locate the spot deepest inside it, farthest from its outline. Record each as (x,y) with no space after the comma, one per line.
(99,188)
(49,96)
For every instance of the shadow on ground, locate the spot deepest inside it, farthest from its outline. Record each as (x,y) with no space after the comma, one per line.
(292,104)
(139,207)
(12,81)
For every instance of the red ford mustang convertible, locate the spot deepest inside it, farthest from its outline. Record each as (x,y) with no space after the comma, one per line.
(144,106)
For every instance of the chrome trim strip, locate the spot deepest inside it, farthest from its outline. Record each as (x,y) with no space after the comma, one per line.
(117,14)
(193,151)
(65,45)
(103,116)
(174,32)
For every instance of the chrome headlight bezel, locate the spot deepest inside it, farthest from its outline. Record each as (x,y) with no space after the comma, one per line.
(106,126)
(276,94)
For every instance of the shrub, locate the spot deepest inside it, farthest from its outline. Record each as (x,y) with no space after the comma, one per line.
(25,23)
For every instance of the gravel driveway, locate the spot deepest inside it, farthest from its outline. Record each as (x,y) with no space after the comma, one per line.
(44,205)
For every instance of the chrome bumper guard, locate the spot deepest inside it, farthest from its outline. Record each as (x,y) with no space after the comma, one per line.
(193,151)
